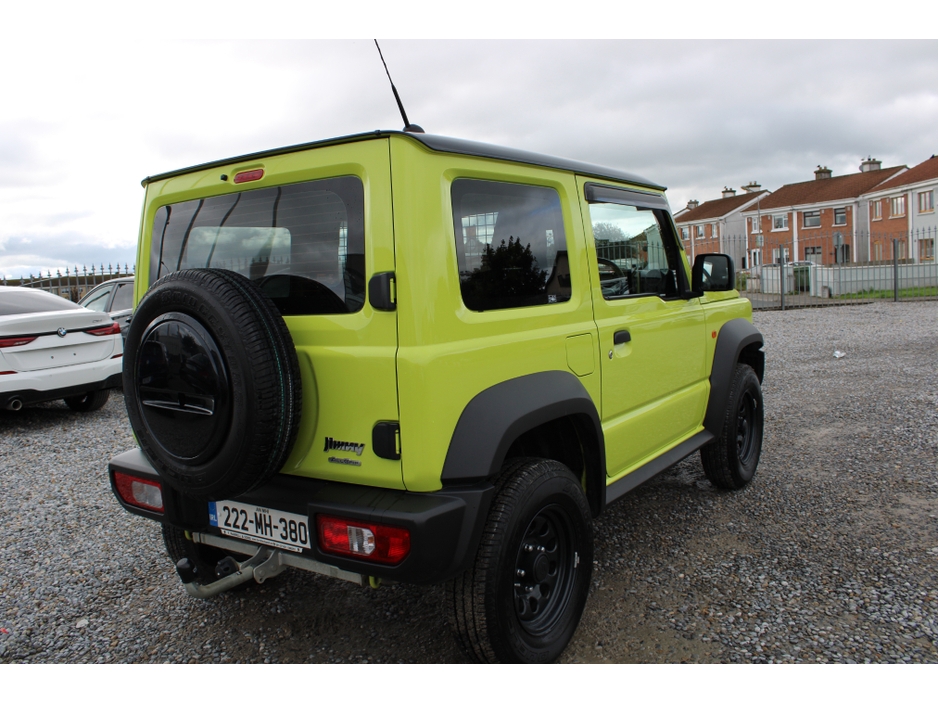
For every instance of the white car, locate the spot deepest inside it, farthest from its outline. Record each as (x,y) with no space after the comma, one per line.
(51,348)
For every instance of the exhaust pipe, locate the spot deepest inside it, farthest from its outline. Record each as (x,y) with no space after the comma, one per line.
(14,404)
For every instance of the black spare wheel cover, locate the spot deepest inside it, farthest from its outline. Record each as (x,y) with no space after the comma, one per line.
(211,383)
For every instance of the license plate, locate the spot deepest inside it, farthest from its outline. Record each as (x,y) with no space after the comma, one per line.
(258,524)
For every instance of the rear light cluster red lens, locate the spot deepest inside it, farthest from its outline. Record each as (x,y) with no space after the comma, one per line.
(367,541)
(113,329)
(142,493)
(15,341)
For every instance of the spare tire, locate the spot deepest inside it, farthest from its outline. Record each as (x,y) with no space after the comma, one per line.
(211,383)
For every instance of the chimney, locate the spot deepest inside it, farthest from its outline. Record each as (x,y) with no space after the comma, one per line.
(751,187)
(870,164)
(728,192)
(821,172)
(691,204)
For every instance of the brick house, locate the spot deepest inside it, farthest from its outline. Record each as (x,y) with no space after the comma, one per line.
(903,208)
(819,221)
(718,225)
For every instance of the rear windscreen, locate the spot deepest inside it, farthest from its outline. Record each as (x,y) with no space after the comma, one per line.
(14,301)
(303,244)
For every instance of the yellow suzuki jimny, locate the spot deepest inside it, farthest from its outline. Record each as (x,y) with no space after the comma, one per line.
(403,357)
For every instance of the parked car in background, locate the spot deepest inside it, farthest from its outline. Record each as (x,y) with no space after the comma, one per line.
(114,297)
(51,348)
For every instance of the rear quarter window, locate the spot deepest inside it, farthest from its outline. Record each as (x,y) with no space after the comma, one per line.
(511,245)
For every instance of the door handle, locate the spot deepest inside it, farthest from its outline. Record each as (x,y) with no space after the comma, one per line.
(621,337)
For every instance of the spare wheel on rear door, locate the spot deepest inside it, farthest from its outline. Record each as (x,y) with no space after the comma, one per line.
(211,383)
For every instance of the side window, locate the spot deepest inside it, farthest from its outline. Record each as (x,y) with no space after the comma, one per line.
(510,244)
(635,251)
(124,298)
(98,301)
(303,244)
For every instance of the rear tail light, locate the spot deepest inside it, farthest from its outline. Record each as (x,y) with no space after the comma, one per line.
(112,329)
(368,541)
(2,373)
(15,341)
(142,493)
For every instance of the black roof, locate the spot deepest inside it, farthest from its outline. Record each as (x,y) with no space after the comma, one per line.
(437,143)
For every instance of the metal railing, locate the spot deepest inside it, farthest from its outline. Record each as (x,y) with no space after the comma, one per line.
(74,283)
(834,267)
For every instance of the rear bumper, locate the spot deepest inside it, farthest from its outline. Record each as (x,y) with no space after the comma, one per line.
(445,526)
(48,390)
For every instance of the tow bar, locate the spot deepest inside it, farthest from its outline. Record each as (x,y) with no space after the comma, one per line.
(262,565)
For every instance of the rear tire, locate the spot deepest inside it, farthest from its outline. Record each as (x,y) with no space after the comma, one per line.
(91,401)
(730,460)
(522,599)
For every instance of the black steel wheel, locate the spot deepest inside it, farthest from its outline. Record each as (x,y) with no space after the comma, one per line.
(522,600)
(91,401)
(730,461)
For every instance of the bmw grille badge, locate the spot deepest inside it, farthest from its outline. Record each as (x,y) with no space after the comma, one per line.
(61,332)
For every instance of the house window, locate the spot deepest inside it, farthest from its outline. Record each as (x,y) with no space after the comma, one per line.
(754,225)
(780,222)
(878,252)
(700,231)
(775,255)
(840,216)
(897,207)
(715,231)
(813,254)
(812,218)
(685,234)
(926,201)
(755,256)
(926,250)
(876,209)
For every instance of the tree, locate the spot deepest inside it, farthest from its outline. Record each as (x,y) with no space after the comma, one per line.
(607,231)
(508,272)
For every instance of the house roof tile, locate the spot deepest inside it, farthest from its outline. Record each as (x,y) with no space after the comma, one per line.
(926,171)
(826,189)
(716,208)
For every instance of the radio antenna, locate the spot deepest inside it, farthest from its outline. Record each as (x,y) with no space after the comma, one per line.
(408,126)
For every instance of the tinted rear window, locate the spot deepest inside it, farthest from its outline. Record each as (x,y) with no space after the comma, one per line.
(14,301)
(303,244)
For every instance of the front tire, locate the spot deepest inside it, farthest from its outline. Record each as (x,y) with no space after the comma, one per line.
(522,599)
(730,460)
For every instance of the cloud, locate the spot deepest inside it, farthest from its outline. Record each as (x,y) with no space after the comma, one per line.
(22,256)
(693,115)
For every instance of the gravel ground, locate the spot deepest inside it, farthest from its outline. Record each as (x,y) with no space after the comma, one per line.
(828,556)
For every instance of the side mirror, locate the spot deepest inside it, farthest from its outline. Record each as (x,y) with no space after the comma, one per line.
(713,272)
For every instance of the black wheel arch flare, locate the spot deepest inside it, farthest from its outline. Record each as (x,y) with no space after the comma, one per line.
(738,341)
(499,415)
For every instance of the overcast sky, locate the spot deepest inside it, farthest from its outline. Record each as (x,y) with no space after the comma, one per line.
(82,123)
